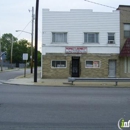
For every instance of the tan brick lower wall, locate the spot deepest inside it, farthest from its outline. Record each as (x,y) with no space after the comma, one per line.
(122,69)
(49,72)
(103,70)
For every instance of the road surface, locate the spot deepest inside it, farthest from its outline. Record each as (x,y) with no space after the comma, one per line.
(11,74)
(62,108)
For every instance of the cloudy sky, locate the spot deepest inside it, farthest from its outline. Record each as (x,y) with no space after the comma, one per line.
(14,14)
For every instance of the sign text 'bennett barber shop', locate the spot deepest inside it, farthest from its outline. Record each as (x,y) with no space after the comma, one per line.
(76,50)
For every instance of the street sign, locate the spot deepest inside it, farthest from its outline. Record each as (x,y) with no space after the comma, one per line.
(25,56)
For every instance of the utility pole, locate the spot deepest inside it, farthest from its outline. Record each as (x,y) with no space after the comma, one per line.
(11,52)
(1,56)
(32,40)
(36,40)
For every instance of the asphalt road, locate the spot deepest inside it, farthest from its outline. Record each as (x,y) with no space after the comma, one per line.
(10,74)
(62,108)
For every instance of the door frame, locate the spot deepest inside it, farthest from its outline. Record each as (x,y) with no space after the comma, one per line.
(77,59)
(115,61)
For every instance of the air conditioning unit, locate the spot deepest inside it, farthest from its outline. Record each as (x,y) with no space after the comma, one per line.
(111,41)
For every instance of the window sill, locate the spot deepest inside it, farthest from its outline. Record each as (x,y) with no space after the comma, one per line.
(111,44)
(58,67)
(59,42)
(92,67)
(90,43)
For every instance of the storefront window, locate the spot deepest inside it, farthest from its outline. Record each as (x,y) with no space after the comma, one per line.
(58,64)
(92,64)
(127,65)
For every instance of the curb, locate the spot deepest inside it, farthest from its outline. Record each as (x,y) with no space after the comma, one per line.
(76,86)
(6,70)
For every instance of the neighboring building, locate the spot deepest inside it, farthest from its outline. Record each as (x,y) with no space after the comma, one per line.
(80,43)
(3,56)
(124,40)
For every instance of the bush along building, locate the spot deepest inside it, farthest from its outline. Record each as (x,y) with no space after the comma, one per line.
(124,40)
(80,43)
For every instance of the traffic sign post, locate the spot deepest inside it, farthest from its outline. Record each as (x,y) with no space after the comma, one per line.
(25,57)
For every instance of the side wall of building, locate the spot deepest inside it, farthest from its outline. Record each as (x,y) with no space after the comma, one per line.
(124,18)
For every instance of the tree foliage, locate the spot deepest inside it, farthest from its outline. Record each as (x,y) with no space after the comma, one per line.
(39,58)
(19,47)
(6,41)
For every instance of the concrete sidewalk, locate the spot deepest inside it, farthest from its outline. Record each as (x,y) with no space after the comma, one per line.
(29,80)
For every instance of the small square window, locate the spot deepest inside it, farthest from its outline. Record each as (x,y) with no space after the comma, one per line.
(58,64)
(111,38)
(91,37)
(92,64)
(89,64)
(59,37)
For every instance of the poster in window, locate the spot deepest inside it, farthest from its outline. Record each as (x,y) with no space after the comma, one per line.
(96,64)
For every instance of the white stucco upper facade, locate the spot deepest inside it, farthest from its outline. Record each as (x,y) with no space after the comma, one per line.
(75,23)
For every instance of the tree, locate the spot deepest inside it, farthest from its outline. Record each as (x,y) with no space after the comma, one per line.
(6,41)
(19,47)
(39,58)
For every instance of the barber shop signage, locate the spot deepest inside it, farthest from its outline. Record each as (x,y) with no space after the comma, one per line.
(76,50)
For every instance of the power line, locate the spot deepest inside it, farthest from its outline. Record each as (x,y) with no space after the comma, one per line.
(100,4)
(24,28)
(106,5)
(109,7)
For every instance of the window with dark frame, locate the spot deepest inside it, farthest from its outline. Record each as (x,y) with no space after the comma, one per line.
(91,38)
(127,30)
(59,37)
(58,64)
(92,64)
(111,38)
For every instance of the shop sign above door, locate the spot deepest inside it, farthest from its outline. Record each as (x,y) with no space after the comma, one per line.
(76,50)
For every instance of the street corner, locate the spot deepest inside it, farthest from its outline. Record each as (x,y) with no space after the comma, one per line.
(20,81)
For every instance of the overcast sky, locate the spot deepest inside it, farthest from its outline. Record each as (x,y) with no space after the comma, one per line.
(14,14)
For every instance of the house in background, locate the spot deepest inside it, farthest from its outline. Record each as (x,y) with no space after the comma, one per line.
(80,43)
(124,40)
(3,56)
